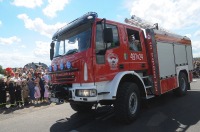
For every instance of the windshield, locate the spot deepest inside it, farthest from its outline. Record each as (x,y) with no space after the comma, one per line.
(73,41)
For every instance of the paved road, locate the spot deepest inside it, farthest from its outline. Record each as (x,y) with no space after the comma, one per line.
(163,114)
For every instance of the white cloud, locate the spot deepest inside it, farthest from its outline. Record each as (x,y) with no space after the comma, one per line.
(28,3)
(196,48)
(9,40)
(19,59)
(23,46)
(16,59)
(169,14)
(0,23)
(196,45)
(41,52)
(38,25)
(42,48)
(119,17)
(54,6)
(197,33)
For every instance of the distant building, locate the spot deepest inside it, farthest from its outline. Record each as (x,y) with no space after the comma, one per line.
(35,65)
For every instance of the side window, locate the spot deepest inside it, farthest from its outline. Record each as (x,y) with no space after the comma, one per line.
(101,46)
(134,42)
(61,49)
(99,38)
(115,36)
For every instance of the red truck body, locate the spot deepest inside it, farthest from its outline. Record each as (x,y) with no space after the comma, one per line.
(103,67)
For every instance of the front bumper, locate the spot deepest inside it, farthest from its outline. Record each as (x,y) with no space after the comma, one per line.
(61,93)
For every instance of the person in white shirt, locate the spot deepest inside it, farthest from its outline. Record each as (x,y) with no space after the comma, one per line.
(133,44)
(17,85)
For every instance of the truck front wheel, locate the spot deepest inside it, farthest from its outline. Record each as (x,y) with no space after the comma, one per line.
(127,104)
(79,107)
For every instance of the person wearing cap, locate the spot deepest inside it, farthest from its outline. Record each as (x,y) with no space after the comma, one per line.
(2,93)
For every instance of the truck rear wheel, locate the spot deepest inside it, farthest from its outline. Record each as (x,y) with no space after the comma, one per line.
(183,84)
(81,107)
(127,104)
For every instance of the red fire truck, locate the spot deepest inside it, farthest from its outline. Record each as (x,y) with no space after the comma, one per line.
(93,63)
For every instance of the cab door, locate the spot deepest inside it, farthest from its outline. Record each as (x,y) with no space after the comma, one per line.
(108,56)
(136,56)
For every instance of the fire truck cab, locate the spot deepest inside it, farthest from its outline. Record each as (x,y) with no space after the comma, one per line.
(98,61)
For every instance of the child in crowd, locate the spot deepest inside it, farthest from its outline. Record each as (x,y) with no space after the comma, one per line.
(37,92)
(25,89)
(46,92)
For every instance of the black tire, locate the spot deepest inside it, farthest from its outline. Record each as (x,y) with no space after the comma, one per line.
(183,85)
(79,107)
(127,105)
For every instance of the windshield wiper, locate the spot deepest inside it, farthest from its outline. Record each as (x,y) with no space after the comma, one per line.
(72,51)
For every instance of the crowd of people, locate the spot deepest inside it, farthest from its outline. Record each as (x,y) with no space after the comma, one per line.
(22,87)
(196,71)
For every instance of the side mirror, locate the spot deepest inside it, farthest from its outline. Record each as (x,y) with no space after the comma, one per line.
(52,45)
(52,50)
(108,35)
(51,54)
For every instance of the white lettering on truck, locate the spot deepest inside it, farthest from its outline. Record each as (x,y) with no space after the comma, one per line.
(136,56)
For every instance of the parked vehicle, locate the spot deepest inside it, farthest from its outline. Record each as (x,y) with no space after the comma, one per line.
(92,62)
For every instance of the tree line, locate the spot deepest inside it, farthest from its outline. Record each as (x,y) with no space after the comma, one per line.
(2,71)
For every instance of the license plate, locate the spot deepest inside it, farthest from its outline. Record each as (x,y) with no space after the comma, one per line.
(55,100)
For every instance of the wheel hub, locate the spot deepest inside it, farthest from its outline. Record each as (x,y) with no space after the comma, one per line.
(183,84)
(133,103)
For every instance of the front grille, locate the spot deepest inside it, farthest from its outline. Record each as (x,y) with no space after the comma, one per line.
(61,92)
(65,70)
(65,78)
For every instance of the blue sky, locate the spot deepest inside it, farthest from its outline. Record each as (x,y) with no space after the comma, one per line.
(26,26)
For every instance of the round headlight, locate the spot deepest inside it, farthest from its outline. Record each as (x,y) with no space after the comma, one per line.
(68,65)
(50,68)
(55,67)
(61,66)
